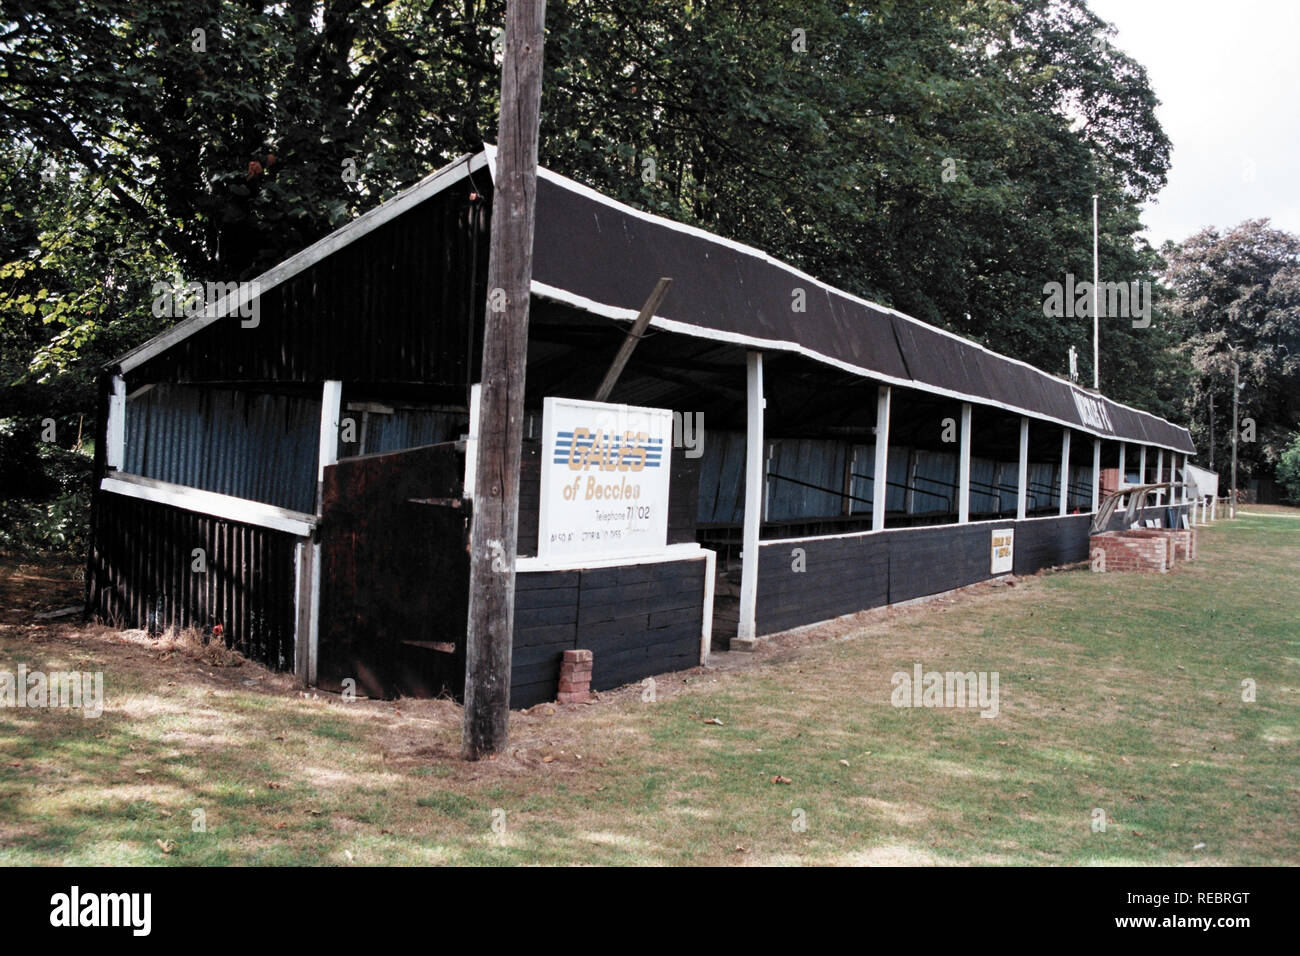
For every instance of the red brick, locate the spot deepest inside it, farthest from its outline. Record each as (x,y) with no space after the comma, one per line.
(576,656)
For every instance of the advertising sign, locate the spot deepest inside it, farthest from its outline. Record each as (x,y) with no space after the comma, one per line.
(1003,550)
(604,489)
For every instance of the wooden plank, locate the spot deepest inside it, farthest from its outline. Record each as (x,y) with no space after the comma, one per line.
(634,335)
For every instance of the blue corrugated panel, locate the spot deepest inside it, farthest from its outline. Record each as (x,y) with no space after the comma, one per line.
(247,444)
(398,430)
(808,462)
(722,479)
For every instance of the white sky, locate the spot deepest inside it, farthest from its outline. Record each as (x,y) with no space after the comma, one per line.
(1228,78)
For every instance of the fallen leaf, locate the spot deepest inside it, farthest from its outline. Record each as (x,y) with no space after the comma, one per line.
(165,845)
(714,721)
(844,763)
(274,786)
(548,758)
(1199,846)
(144,770)
(281,826)
(780,779)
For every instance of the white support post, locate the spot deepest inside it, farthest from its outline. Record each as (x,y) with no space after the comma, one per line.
(754,465)
(1096,474)
(1022,479)
(1064,505)
(963,468)
(1142,465)
(1160,471)
(115,428)
(331,397)
(880,477)
(1123,470)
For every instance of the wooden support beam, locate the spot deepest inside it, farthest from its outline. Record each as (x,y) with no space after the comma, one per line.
(1096,474)
(880,475)
(115,429)
(963,467)
(1064,496)
(1160,476)
(754,493)
(331,398)
(495,521)
(634,335)
(1022,477)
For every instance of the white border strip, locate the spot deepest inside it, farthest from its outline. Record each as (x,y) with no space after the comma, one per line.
(368,222)
(210,503)
(672,552)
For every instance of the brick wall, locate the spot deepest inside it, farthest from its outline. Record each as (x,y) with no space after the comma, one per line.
(1142,549)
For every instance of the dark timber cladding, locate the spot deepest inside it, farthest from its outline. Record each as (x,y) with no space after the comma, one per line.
(392,306)
(849,573)
(637,620)
(141,574)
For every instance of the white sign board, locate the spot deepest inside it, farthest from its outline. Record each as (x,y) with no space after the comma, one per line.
(605,471)
(1002,550)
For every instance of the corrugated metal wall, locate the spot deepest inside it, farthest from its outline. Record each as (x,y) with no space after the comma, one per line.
(822,463)
(141,572)
(398,430)
(248,444)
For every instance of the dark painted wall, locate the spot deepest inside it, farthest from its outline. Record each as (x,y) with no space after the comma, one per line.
(140,572)
(637,621)
(848,574)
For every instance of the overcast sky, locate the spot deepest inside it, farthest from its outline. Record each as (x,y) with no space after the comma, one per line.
(1228,77)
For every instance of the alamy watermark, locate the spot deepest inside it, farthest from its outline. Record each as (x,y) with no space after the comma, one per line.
(924,688)
(1115,300)
(75,690)
(189,300)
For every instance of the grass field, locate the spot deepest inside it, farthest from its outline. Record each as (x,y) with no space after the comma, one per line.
(1118,693)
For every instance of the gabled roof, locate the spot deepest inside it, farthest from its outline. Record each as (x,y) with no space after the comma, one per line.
(602,256)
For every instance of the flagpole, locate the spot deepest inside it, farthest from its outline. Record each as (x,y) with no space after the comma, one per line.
(1096,325)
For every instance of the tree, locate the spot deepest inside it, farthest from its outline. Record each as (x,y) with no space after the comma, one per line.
(1236,298)
(1288,469)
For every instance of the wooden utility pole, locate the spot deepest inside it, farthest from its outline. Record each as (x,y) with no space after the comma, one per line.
(501,405)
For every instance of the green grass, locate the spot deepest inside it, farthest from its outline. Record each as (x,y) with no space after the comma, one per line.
(1120,693)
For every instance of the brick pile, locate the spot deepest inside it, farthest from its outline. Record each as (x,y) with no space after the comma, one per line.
(575,677)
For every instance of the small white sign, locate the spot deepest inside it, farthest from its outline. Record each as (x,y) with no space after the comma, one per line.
(1003,550)
(604,482)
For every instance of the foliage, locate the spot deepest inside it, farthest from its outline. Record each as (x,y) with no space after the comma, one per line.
(1288,469)
(1236,298)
